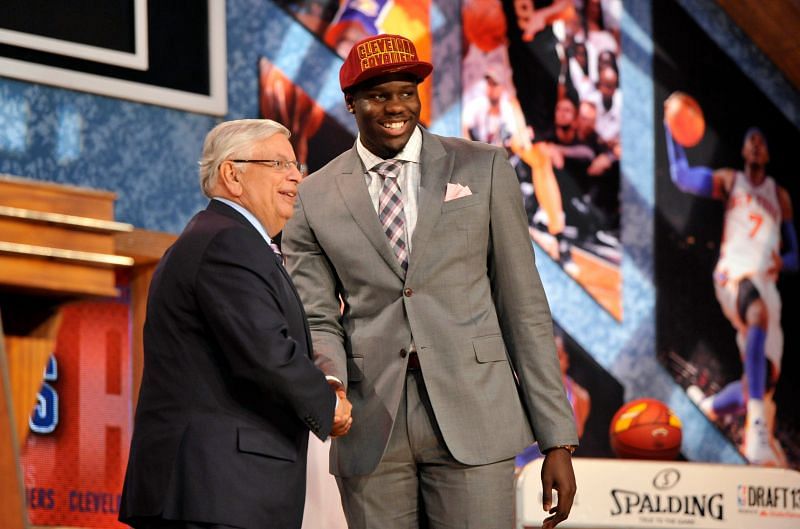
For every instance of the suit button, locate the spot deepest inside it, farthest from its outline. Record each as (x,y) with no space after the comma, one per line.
(403,353)
(408,292)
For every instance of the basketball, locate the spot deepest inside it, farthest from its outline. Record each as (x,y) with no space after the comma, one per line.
(645,429)
(484,23)
(684,118)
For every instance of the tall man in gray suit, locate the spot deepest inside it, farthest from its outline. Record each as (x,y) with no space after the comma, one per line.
(412,257)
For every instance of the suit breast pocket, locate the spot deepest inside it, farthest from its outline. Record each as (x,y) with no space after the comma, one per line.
(459,203)
(468,213)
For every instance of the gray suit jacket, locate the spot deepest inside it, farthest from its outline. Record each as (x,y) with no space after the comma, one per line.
(472,300)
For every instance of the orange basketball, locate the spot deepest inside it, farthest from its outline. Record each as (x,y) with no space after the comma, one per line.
(484,23)
(685,119)
(645,429)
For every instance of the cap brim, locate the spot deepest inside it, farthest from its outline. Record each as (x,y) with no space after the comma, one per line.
(420,69)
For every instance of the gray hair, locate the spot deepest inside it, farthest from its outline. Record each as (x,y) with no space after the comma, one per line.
(232,139)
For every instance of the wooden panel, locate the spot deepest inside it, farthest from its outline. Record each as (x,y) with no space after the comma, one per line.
(68,221)
(12,498)
(773,26)
(57,239)
(21,231)
(56,242)
(27,360)
(59,278)
(56,198)
(146,247)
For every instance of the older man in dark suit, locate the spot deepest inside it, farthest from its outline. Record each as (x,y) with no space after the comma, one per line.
(229,391)
(445,344)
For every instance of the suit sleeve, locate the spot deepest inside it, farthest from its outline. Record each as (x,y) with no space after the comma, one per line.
(523,312)
(239,291)
(318,286)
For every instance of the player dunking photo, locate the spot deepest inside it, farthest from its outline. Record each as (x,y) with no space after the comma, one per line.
(758,243)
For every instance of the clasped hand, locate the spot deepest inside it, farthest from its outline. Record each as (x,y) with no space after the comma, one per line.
(342,417)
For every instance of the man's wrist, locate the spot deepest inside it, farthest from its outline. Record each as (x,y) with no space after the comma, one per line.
(569,448)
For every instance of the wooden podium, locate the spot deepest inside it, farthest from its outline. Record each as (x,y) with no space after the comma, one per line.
(57,244)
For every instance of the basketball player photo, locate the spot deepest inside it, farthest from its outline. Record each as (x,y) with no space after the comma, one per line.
(726,247)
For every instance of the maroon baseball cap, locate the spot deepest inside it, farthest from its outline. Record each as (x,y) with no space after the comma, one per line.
(380,55)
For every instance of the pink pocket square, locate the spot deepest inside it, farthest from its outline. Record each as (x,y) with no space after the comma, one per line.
(455,191)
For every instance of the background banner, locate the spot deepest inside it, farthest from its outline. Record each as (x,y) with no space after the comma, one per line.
(703,300)
(74,459)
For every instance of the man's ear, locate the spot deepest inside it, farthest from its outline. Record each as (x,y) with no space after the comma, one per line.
(348,101)
(230,178)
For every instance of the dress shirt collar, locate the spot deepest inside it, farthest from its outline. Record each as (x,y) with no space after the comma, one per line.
(249,216)
(410,152)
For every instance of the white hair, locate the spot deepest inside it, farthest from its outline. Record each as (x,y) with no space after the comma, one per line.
(232,139)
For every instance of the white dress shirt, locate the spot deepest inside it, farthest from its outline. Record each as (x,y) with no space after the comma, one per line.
(408,179)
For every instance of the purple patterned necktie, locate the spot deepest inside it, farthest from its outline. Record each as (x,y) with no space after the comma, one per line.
(277,251)
(390,208)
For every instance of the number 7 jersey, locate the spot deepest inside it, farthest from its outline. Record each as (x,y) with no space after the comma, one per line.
(751,232)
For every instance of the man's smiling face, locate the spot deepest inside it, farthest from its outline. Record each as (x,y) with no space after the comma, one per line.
(387,112)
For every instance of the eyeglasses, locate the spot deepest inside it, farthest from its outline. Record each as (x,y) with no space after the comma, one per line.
(283,165)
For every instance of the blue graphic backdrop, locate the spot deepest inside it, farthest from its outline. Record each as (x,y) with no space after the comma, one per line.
(148,156)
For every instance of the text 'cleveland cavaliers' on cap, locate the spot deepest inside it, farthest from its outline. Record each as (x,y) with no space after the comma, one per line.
(381,55)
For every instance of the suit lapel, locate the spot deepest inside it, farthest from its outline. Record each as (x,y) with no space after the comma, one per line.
(224,209)
(436,166)
(299,303)
(356,197)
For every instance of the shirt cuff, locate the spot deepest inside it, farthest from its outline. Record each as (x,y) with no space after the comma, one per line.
(331,378)
(335,379)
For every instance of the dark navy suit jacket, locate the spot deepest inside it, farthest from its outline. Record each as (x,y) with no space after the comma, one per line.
(229,392)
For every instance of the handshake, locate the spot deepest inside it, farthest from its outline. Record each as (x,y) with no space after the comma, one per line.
(342,418)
